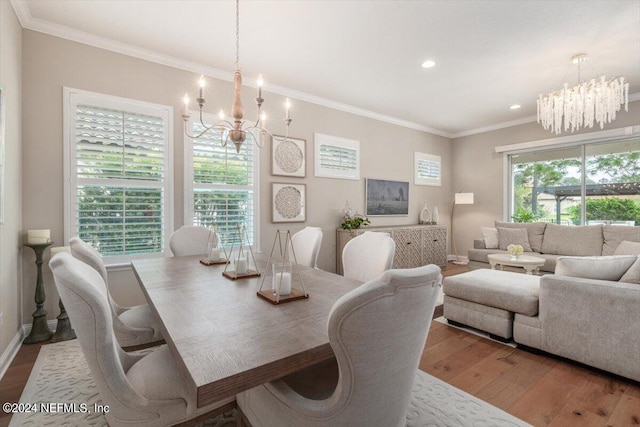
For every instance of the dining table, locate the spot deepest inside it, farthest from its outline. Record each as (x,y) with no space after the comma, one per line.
(224,337)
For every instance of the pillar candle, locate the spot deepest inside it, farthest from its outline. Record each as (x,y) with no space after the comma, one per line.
(241,265)
(59,249)
(35,237)
(284,281)
(214,255)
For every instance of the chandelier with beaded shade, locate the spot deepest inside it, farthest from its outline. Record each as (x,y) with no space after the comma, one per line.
(571,108)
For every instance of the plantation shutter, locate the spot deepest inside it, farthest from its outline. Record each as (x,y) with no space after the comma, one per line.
(428,169)
(118,177)
(336,157)
(223,184)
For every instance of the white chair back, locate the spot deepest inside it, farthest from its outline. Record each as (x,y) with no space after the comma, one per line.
(146,331)
(368,255)
(306,245)
(190,240)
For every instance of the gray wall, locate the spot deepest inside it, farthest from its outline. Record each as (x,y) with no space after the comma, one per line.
(51,63)
(479,169)
(10,231)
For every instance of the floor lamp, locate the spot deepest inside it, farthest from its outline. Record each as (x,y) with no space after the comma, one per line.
(459,199)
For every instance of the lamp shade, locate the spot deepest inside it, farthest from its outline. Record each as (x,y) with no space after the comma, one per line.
(464,198)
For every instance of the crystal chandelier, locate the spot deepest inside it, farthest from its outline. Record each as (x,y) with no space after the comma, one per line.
(236,131)
(596,100)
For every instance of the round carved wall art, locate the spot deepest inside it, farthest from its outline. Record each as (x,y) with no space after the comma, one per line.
(288,156)
(288,202)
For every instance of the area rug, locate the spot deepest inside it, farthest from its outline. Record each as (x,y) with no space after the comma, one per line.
(473,331)
(61,375)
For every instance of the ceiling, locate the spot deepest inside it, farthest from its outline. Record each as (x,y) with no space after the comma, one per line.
(365,56)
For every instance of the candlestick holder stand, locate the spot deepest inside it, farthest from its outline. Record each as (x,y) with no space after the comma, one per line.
(64,332)
(39,330)
(273,295)
(240,236)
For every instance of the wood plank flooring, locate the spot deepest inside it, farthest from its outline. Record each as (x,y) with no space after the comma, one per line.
(539,389)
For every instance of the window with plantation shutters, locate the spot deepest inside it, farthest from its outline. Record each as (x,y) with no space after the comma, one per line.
(427,169)
(336,157)
(221,183)
(118,168)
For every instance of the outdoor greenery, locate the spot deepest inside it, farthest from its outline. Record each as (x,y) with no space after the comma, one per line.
(607,209)
(618,168)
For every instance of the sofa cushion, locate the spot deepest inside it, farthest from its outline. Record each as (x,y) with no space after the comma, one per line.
(535,230)
(509,291)
(614,234)
(490,237)
(633,273)
(567,240)
(595,267)
(513,236)
(627,248)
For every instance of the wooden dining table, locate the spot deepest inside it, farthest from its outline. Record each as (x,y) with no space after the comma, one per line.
(227,339)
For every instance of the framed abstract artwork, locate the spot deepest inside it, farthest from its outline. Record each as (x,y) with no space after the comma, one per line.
(288,202)
(2,159)
(288,157)
(386,198)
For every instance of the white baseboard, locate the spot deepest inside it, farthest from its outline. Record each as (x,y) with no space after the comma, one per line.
(10,353)
(460,259)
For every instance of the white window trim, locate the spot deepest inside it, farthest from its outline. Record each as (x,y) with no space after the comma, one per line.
(418,180)
(188,179)
(72,97)
(351,144)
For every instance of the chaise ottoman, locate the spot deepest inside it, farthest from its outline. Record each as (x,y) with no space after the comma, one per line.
(487,300)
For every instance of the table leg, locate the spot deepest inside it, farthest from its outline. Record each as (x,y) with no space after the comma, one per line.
(528,269)
(493,264)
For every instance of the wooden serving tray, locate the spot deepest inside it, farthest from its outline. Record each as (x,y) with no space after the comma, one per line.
(233,276)
(220,261)
(295,295)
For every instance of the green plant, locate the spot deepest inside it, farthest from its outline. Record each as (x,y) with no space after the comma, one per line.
(523,215)
(354,222)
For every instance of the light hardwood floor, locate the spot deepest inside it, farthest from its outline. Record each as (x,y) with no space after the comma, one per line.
(540,389)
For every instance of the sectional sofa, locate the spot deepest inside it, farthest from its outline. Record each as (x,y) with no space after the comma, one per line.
(549,241)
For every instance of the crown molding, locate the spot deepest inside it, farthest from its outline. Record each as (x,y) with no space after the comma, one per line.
(29,22)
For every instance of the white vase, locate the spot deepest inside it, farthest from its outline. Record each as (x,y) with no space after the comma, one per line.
(434,215)
(424,214)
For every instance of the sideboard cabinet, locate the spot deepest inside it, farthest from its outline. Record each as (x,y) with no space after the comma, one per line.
(416,245)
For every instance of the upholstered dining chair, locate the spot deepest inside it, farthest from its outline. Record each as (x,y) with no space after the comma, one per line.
(377,332)
(132,325)
(141,390)
(306,245)
(368,255)
(190,240)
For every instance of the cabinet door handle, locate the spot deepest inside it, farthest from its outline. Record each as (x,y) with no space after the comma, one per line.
(408,243)
(435,240)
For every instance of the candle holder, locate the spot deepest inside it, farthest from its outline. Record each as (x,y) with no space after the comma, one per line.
(39,330)
(213,254)
(241,266)
(282,289)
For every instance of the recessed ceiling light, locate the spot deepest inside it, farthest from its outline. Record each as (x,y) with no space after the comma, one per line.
(515,107)
(428,63)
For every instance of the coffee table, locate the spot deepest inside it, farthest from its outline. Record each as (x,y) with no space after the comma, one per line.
(531,264)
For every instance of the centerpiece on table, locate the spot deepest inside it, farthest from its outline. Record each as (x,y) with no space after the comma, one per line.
(515,251)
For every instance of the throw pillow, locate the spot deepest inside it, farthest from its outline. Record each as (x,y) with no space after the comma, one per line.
(633,273)
(490,237)
(627,248)
(595,267)
(513,236)
(534,229)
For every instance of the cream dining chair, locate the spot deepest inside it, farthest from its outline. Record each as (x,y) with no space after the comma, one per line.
(306,245)
(132,325)
(368,255)
(141,390)
(190,240)
(377,332)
